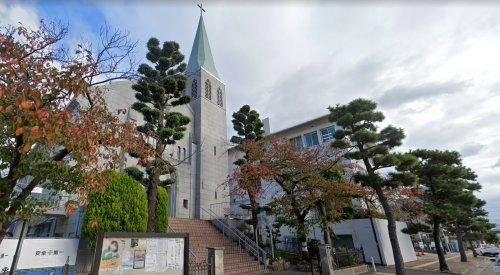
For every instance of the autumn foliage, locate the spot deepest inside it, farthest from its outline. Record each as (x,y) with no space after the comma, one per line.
(311,180)
(57,132)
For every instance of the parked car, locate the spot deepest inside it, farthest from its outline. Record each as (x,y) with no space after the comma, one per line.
(488,251)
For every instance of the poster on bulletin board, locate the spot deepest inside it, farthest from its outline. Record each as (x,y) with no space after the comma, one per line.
(123,253)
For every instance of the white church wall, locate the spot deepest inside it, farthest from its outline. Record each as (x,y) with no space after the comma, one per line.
(213,145)
(120,95)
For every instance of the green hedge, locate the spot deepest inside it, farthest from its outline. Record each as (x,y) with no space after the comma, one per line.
(122,207)
(162,211)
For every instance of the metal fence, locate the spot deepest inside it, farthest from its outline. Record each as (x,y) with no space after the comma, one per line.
(199,268)
(348,258)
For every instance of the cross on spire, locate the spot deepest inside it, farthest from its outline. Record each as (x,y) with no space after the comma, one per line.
(201,9)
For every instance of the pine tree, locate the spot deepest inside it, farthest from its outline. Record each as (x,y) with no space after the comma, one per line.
(480,229)
(362,141)
(467,208)
(447,184)
(159,89)
(249,127)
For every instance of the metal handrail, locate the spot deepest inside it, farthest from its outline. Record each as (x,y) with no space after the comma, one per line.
(192,256)
(243,241)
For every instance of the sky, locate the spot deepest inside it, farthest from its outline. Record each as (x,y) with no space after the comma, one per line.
(432,69)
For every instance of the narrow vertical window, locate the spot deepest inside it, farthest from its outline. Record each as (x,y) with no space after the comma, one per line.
(194,89)
(215,151)
(184,153)
(219,97)
(216,195)
(208,89)
(178,152)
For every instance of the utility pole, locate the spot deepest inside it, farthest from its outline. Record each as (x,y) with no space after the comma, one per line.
(18,249)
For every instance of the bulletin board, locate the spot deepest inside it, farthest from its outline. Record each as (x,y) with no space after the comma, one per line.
(123,253)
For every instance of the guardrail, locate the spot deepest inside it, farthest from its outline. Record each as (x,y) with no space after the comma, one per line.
(243,241)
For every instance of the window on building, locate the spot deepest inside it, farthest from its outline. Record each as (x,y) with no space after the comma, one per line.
(178,152)
(297,141)
(311,139)
(185,203)
(194,89)
(215,151)
(216,195)
(208,89)
(219,97)
(327,134)
(184,153)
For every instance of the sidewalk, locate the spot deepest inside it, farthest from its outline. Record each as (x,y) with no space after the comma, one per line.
(429,264)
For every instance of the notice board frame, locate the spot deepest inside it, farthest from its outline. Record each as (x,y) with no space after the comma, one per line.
(102,235)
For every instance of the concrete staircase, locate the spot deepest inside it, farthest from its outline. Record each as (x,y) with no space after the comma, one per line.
(203,234)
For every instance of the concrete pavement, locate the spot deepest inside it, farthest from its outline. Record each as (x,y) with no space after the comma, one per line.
(429,264)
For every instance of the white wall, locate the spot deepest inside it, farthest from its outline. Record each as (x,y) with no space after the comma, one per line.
(363,236)
(39,253)
(405,243)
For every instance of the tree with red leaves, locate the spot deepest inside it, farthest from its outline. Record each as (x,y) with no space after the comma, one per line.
(249,173)
(56,131)
(311,180)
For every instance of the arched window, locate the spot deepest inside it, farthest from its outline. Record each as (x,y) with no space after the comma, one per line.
(208,89)
(184,153)
(219,97)
(194,89)
(178,152)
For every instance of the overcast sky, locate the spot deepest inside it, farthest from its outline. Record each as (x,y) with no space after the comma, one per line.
(434,70)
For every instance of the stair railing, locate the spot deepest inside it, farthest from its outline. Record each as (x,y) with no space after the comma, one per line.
(243,241)
(192,256)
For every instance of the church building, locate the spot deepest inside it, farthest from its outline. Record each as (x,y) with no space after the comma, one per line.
(201,156)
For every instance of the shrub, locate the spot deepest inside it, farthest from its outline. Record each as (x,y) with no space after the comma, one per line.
(122,207)
(161,224)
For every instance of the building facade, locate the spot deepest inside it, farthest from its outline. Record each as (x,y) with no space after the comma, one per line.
(201,156)
(370,234)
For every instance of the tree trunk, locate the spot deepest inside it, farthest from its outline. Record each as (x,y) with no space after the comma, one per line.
(152,200)
(255,217)
(302,238)
(443,267)
(460,241)
(474,253)
(324,224)
(391,226)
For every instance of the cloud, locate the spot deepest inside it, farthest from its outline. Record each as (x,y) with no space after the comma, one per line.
(497,164)
(14,13)
(471,149)
(400,95)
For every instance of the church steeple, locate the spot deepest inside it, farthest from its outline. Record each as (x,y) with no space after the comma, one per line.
(201,55)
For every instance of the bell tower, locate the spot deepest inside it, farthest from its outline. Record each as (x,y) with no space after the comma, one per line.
(210,135)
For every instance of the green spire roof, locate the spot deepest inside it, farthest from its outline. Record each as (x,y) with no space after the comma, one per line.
(201,55)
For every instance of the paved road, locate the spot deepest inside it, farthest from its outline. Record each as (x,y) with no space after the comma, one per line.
(429,265)
(485,268)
